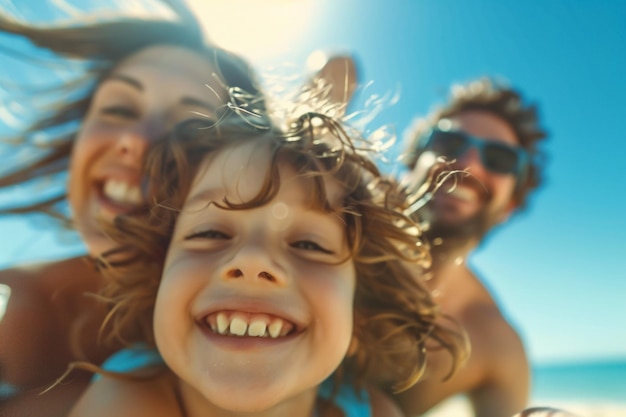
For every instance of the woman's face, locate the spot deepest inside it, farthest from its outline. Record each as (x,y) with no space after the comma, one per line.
(137,104)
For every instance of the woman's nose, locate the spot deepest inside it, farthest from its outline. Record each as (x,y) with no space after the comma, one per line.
(132,146)
(134,143)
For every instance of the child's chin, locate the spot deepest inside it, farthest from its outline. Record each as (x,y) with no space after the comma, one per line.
(247,400)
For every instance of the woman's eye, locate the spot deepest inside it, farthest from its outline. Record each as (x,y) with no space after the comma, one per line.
(309,245)
(208,234)
(120,111)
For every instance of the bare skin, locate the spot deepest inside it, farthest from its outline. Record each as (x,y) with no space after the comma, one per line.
(341,75)
(496,376)
(39,350)
(157,397)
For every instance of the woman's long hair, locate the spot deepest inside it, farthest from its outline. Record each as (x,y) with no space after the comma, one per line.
(100,45)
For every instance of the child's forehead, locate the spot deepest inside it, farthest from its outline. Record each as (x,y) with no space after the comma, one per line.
(240,172)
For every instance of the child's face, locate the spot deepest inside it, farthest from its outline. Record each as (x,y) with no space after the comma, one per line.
(273,271)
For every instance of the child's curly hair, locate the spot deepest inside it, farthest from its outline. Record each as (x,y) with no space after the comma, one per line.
(395,317)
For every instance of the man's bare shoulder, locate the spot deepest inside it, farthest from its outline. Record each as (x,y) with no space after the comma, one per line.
(108,396)
(469,302)
(496,374)
(489,330)
(498,359)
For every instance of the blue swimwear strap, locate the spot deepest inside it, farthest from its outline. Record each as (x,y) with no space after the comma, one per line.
(347,400)
(131,359)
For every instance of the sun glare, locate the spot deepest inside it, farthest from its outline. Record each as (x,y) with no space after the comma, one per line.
(256,29)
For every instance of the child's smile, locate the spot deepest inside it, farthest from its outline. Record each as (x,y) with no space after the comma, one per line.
(255,307)
(244,324)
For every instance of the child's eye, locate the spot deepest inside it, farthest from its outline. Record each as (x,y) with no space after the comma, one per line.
(309,245)
(208,234)
(120,111)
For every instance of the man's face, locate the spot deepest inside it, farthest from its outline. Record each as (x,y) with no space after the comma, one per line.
(467,206)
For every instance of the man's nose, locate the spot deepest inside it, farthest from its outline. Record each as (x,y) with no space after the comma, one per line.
(471,161)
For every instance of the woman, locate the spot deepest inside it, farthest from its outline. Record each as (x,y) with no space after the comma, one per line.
(143,77)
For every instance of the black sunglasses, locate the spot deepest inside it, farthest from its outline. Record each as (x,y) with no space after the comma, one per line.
(496,156)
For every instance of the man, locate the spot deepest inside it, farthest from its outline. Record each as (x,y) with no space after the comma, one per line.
(488,138)
(487,184)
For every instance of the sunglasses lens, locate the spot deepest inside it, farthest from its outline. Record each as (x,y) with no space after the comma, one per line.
(448,144)
(499,158)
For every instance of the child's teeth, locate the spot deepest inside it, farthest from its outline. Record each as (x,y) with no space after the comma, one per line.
(245,324)
(275,327)
(222,323)
(238,326)
(257,328)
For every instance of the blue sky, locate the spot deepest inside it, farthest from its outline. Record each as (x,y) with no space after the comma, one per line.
(556,269)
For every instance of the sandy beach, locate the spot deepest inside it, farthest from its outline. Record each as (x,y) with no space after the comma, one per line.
(458,407)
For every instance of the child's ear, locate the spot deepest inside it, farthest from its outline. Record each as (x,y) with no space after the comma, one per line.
(340,72)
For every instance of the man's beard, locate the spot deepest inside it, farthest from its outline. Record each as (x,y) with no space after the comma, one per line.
(451,236)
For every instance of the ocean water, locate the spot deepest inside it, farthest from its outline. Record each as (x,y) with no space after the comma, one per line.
(601,381)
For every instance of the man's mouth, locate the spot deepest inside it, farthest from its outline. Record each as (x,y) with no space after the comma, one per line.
(464,193)
(240,324)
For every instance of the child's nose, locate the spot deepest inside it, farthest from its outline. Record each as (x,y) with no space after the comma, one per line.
(254,265)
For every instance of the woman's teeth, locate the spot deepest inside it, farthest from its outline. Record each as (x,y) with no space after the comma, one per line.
(246,324)
(122,192)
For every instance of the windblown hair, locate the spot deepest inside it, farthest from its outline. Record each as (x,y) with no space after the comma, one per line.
(396,320)
(101,46)
(502,101)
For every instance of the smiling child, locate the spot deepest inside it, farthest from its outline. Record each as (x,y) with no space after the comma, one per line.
(266,263)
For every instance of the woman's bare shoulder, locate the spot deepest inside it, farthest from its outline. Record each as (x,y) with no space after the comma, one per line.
(63,279)
(34,271)
(40,304)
